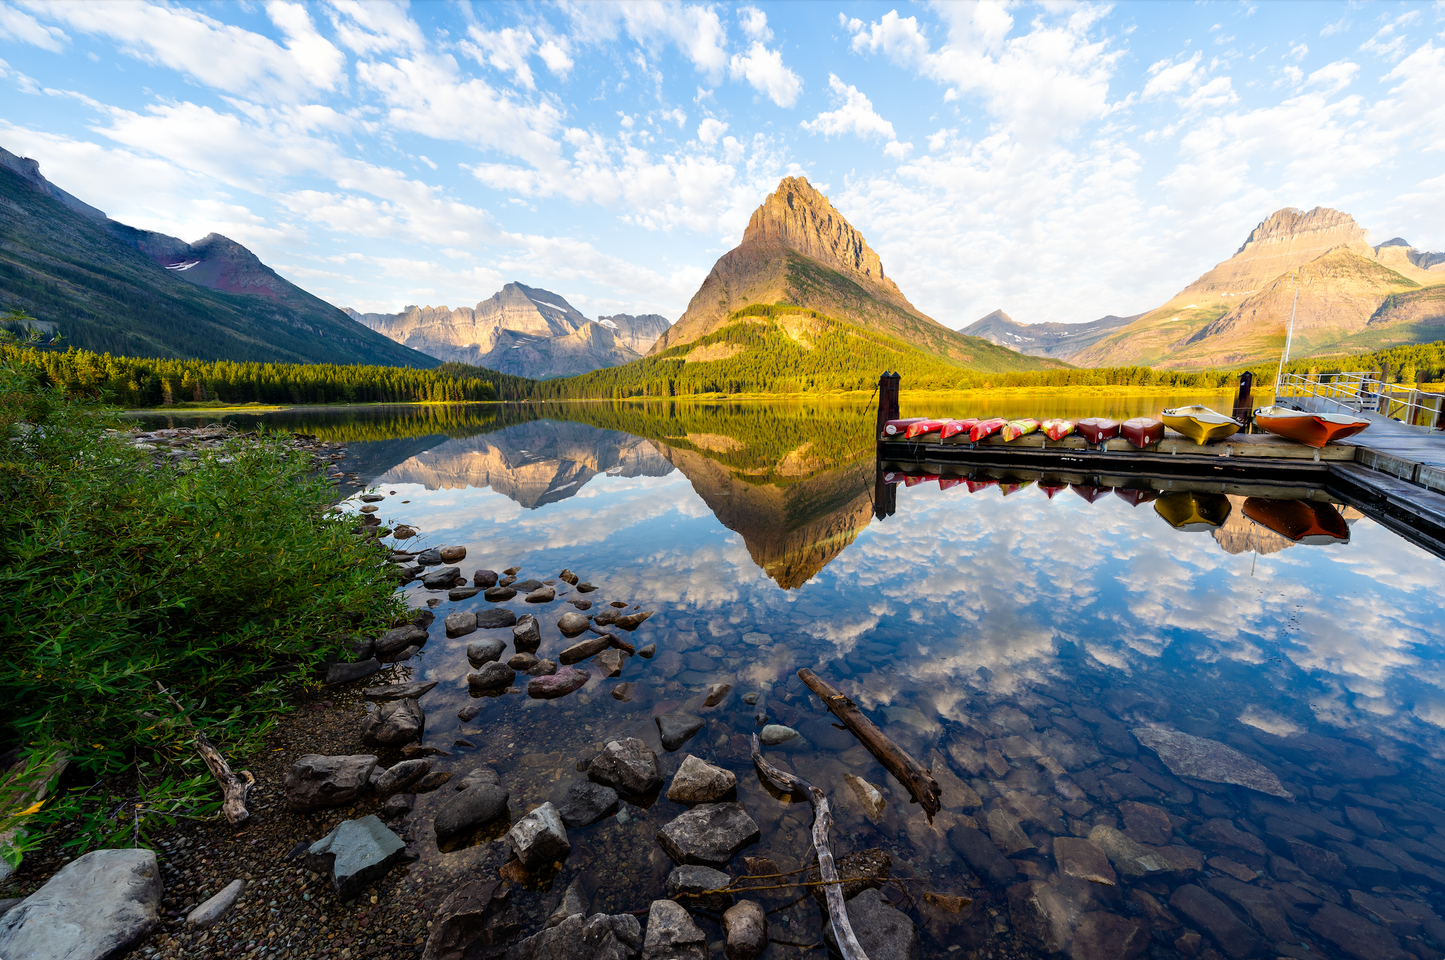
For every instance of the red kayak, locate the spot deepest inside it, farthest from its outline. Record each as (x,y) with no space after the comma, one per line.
(893,427)
(1135,497)
(956,426)
(1142,431)
(950,483)
(1057,429)
(1097,429)
(922,427)
(1009,488)
(914,479)
(1050,489)
(1019,428)
(974,486)
(986,428)
(1091,494)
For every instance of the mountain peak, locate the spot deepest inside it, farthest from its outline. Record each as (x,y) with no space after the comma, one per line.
(798,217)
(1320,226)
(29,170)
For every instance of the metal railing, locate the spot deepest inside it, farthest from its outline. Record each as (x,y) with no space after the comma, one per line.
(1365,392)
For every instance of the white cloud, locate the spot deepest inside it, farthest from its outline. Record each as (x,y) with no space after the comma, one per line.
(696,30)
(854,115)
(1334,77)
(1339,26)
(17,25)
(710,130)
(765,72)
(375,26)
(1167,77)
(555,54)
(897,150)
(217,54)
(506,50)
(755,24)
(1299,51)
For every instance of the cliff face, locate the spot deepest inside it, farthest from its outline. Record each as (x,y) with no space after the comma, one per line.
(519,330)
(799,250)
(1351,297)
(637,333)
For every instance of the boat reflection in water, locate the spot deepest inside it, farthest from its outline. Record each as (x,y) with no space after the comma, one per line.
(1299,521)
(1193,512)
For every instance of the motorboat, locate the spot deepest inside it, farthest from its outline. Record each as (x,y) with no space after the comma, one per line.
(1200,424)
(1313,429)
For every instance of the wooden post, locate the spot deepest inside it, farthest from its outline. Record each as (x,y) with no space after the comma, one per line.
(885,495)
(1243,398)
(887,400)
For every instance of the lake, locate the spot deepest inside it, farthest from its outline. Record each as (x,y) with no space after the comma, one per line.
(1210,741)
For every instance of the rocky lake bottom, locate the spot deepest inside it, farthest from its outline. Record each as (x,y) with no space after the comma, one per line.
(1211,743)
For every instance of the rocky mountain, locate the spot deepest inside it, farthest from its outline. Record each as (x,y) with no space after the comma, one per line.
(1060,340)
(799,251)
(1351,297)
(520,330)
(638,333)
(110,287)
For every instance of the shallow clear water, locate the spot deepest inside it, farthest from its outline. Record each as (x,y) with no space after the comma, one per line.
(984,633)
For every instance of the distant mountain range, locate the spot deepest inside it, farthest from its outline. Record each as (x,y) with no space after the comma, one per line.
(799,251)
(112,288)
(1352,297)
(521,330)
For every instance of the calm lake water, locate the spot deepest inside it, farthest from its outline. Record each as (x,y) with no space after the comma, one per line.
(1044,649)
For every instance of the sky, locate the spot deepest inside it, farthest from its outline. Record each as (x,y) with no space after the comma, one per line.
(1058,161)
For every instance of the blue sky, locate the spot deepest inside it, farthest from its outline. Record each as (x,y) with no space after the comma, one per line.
(1060,161)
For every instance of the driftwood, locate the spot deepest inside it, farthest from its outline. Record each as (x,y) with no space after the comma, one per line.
(910,772)
(848,944)
(235,788)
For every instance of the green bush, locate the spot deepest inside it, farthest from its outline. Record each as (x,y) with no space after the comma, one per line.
(225,578)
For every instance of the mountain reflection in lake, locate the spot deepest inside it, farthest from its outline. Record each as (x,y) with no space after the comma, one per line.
(1021,645)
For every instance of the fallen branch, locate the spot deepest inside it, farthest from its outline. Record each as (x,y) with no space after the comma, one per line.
(912,774)
(848,944)
(235,788)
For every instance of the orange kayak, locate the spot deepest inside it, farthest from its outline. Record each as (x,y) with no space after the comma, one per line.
(986,428)
(956,426)
(1314,429)
(1057,429)
(1019,428)
(1097,429)
(923,426)
(895,427)
(1142,431)
(1299,521)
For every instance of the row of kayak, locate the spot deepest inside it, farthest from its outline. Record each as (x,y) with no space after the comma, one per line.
(1299,521)
(1197,422)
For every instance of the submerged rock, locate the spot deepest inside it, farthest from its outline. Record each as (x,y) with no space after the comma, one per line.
(710,834)
(610,662)
(1201,759)
(475,922)
(883,931)
(586,802)
(564,681)
(623,691)
(868,795)
(775,733)
(1210,914)
(356,853)
(678,728)
(688,885)
(496,617)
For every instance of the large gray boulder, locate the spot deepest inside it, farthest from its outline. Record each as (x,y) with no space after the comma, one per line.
(98,906)
(316,782)
(539,838)
(477,804)
(477,921)
(598,937)
(710,834)
(526,634)
(627,765)
(672,934)
(395,641)
(356,853)
(586,802)
(393,723)
(698,781)
(492,676)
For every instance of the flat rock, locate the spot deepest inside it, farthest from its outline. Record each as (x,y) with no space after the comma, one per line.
(1130,857)
(979,852)
(356,853)
(461,623)
(1080,858)
(491,677)
(480,652)
(542,668)
(716,693)
(687,885)
(710,834)
(543,594)
(672,934)
(398,778)
(1210,914)
(476,921)
(632,621)
(317,782)
(1222,832)
(583,649)
(775,733)
(586,802)
(1108,936)
(1258,903)
(868,795)
(564,681)
(430,558)
(100,905)
(400,691)
(698,781)
(478,804)
(678,728)
(347,672)
(598,937)
(399,638)
(462,593)
(496,617)
(393,723)
(571,623)
(485,578)
(745,931)
(522,662)
(526,586)
(539,838)
(1146,823)
(883,931)
(441,578)
(1006,833)
(572,904)
(1041,914)
(628,766)
(1201,759)
(609,662)
(214,909)
(452,554)
(498,594)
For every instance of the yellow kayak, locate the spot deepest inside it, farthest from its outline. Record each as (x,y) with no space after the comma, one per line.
(1019,428)
(1200,424)
(1192,512)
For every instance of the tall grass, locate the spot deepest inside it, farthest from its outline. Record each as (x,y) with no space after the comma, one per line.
(225,579)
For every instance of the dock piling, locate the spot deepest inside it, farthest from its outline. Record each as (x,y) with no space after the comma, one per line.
(887,400)
(1243,399)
